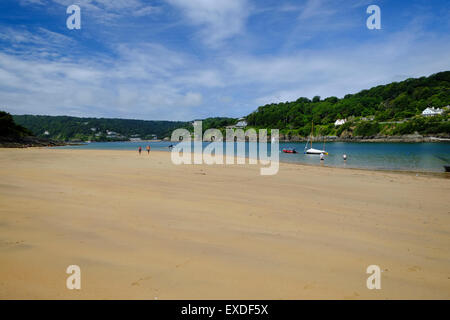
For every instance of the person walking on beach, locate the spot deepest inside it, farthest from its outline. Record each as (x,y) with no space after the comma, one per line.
(322,157)
(140,149)
(148,150)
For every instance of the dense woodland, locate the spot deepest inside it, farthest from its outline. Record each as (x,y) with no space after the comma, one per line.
(8,128)
(212,123)
(13,135)
(66,128)
(385,104)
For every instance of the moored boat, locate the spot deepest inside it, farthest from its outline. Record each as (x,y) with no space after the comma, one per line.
(311,150)
(289,150)
(315,151)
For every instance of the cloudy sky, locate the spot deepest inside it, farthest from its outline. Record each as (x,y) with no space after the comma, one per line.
(188,59)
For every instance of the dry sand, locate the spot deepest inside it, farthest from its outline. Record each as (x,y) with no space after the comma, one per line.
(141,227)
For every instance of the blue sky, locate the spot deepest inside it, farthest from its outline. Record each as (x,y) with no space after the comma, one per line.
(188,59)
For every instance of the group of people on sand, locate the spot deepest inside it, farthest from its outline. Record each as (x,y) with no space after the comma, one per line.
(148,149)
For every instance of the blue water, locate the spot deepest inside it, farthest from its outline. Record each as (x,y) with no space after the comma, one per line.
(381,156)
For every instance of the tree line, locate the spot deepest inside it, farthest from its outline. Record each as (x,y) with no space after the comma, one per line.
(65,128)
(381,104)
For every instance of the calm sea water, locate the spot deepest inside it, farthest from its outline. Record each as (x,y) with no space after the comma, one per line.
(382,156)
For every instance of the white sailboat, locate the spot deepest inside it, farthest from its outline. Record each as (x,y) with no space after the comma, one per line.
(312,150)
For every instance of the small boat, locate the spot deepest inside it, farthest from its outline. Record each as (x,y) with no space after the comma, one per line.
(289,150)
(315,151)
(312,150)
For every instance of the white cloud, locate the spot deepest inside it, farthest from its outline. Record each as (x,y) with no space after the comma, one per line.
(316,9)
(341,70)
(192,99)
(146,80)
(145,11)
(107,12)
(32,2)
(41,37)
(219,19)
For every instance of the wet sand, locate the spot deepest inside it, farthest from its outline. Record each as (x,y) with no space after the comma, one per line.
(140,227)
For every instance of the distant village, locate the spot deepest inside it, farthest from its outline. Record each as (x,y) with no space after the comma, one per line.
(428,112)
(112,135)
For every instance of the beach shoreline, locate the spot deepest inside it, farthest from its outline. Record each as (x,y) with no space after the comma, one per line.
(441,174)
(140,227)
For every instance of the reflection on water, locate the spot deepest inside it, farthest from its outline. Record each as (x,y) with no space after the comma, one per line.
(386,156)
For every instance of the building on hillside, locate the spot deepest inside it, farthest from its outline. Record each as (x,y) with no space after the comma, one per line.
(368,118)
(339,122)
(241,123)
(114,135)
(429,112)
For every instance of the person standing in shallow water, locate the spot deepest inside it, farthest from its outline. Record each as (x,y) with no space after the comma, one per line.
(148,150)
(140,149)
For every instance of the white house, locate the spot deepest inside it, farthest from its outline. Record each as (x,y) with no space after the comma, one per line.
(241,123)
(429,112)
(339,122)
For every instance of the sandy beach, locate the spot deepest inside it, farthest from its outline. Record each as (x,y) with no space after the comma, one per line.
(140,227)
